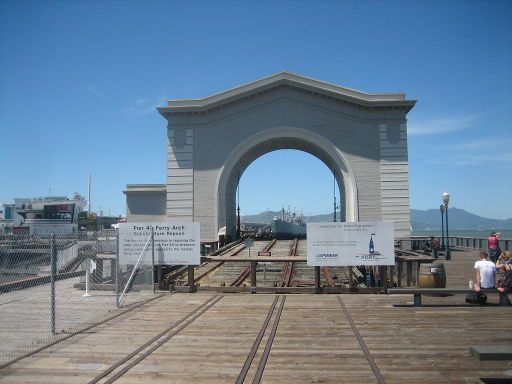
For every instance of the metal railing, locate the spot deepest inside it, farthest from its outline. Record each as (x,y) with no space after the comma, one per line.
(417,242)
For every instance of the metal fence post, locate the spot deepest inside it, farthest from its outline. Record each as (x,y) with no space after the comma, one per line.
(153,258)
(87,278)
(117,269)
(318,289)
(191,285)
(254,265)
(53,272)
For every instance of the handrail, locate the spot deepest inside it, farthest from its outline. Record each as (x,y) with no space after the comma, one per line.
(133,272)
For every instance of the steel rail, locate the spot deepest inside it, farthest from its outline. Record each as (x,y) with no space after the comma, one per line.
(217,265)
(269,245)
(256,344)
(270,341)
(369,357)
(202,309)
(76,333)
(241,278)
(179,273)
(288,267)
(176,273)
(246,272)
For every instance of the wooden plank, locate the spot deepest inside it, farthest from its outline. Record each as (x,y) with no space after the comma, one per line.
(314,341)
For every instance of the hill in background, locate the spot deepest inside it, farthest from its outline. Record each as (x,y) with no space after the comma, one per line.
(429,219)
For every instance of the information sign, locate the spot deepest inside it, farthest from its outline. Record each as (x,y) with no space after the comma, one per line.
(248,243)
(264,253)
(175,243)
(350,244)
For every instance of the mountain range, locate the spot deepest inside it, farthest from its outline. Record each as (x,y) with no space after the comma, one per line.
(427,219)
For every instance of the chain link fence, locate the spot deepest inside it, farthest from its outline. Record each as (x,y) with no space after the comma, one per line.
(53,286)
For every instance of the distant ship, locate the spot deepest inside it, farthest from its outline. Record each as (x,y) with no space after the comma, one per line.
(288,226)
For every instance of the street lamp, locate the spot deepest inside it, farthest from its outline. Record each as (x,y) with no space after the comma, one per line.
(238,229)
(446,200)
(441,207)
(336,206)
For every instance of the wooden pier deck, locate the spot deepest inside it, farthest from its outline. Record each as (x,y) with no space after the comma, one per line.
(213,338)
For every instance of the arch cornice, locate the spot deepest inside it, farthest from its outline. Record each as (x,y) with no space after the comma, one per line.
(245,92)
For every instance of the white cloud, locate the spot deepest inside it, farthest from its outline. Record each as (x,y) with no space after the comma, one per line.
(439,125)
(493,150)
(489,143)
(92,89)
(142,106)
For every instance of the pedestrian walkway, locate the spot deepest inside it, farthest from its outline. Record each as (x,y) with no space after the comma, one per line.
(210,338)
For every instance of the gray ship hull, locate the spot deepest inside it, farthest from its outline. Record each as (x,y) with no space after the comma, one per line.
(283,229)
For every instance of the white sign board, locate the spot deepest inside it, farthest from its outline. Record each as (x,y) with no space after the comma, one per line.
(345,244)
(248,243)
(175,243)
(46,229)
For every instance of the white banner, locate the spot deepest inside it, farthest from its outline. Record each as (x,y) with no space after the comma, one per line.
(345,244)
(175,243)
(46,229)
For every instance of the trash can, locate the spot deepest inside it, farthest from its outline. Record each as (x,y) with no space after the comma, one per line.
(432,276)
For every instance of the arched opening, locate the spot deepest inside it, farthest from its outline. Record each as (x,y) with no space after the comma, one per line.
(288,179)
(282,138)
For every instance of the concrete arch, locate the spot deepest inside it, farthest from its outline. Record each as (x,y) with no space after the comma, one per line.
(362,136)
(285,137)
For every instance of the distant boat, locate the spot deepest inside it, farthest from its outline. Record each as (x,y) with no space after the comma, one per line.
(288,226)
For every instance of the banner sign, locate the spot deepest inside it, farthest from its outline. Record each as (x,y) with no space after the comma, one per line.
(350,244)
(46,229)
(175,243)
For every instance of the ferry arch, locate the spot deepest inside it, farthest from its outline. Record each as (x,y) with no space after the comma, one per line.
(361,136)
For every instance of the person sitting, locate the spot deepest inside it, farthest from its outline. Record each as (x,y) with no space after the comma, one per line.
(504,263)
(485,272)
(431,246)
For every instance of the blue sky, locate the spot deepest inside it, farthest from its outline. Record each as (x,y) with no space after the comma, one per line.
(79,81)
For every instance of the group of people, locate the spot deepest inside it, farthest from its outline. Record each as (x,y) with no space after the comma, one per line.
(493,271)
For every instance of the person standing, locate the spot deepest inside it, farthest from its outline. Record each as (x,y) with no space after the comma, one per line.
(485,272)
(492,245)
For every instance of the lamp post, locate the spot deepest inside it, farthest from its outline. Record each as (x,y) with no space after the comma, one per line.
(446,200)
(238,229)
(441,207)
(334,193)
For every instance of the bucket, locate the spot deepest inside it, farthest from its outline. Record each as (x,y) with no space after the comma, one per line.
(432,276)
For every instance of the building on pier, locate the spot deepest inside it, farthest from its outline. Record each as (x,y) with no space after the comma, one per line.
(361,137)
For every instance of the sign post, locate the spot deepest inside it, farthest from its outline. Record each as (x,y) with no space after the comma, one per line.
(248,243)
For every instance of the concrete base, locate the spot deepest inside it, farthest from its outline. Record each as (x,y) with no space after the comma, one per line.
(491,352)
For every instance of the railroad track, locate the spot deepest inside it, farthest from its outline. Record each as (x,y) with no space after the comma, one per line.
(118,369)
(246,272)
(216,264)
(288,267)
(264,357)
(253,367)
(178,277)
